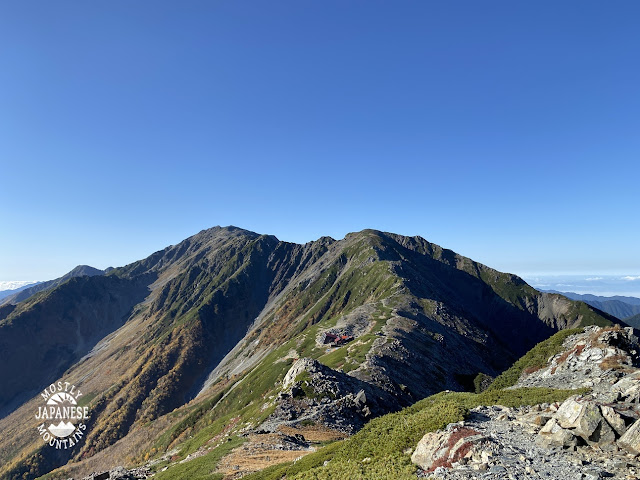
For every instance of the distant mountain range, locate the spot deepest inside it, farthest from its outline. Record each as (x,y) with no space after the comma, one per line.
(14,289)
(15,296)
(194,343)
(624,308)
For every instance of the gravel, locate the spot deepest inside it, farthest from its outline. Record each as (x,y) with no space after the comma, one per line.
(512,453)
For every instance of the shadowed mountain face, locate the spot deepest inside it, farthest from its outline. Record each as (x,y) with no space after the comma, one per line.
(45,335)
(223,313)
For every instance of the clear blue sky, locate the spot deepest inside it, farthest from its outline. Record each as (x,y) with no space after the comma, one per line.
(508,131)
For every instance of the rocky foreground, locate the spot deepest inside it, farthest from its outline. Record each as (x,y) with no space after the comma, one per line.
(589,436)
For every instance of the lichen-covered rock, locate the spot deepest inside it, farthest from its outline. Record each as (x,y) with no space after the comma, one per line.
(585,420)
(443,448)
(591,425)
(569,413)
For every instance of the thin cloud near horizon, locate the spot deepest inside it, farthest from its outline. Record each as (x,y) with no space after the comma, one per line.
(14,284)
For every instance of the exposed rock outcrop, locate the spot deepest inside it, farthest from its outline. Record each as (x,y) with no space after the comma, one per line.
(591,435)
(595,359)
(120,473)
(312,392)
(511,449)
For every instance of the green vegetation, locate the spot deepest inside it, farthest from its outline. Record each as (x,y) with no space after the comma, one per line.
(305,381)
(349,283)
(187,422)
(306,384)
(255,387)
(335,359)
(86,399)
(206,431)
(243,403)
(358,351)
(481,382)
(384,439)
(352,355)
(377,451)
(533,360)
(223,287)
(507,286)
(201,468)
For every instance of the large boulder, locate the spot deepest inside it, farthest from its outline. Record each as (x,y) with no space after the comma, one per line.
(443,448)
(584,419)
(553,434)
(631,438)
(569,412)
(562,438)
(627,389)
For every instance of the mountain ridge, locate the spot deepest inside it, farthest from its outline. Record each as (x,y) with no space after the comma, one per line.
(221,316)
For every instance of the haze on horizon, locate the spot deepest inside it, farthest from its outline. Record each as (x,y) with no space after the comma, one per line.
(504,131)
